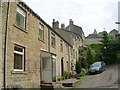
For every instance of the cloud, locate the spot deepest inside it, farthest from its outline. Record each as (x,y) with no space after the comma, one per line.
(88,14)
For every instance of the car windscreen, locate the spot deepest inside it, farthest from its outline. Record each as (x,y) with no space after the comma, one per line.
(96,64)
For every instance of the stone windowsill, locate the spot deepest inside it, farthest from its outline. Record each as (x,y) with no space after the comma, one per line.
(18,72)
(24,30)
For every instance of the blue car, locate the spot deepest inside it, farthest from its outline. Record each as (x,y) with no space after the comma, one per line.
(97,67)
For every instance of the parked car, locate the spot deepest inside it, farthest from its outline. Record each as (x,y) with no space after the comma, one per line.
(97,67)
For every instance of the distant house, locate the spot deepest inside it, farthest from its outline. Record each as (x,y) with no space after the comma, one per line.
(93,38)
(96,38)
(113,33)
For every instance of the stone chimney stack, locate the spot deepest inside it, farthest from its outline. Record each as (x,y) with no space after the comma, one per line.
(71,22)
(55,25)
(62,26)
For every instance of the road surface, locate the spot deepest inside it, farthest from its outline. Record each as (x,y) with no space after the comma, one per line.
(107,79)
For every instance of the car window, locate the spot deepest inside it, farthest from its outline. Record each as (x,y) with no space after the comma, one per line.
(96,64)
(103,64)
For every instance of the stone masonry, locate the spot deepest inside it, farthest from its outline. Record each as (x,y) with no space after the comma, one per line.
(30,40)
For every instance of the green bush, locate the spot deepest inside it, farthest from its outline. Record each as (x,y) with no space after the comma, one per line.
(83,72)
(66,74)
(58,78)
(78,66)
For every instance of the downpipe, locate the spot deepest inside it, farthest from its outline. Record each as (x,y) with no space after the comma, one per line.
(5,47)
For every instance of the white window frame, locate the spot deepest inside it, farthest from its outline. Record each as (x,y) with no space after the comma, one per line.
(41,28)
(20,53)
(23,13)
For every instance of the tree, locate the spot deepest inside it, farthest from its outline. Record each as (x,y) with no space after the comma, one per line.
(90,56)
(105,49)
(110,49)
(114,50)
(78,66)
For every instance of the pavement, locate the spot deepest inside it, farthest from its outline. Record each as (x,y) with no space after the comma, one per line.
(69,82)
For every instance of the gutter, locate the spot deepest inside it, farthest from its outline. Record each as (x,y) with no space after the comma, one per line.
(5,48)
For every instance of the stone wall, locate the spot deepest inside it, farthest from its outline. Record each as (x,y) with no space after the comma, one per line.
(59,54)
(29,39)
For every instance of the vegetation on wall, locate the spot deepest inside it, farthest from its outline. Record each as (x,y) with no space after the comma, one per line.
(87,57)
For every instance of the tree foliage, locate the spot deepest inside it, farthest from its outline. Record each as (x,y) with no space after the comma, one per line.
(78,66)
(90,56)
(110,49)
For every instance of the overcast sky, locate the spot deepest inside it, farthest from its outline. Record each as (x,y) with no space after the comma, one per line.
(88,14)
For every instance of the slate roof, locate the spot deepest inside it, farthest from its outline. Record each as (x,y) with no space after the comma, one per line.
(76,29)
(114,31)
(93,36)
(66,35)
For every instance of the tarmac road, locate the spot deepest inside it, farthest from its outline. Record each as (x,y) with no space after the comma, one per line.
(107,79)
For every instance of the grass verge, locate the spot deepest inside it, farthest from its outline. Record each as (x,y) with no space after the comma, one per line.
(77,83)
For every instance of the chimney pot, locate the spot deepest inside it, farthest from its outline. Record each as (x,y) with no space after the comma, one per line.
(55,25)
(71,22)
(53,20)
(62,26)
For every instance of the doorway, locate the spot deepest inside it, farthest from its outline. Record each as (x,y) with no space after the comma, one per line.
(62,66)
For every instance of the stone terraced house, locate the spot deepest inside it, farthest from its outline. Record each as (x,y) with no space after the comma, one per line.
(31,51)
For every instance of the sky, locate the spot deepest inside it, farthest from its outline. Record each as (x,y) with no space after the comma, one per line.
(88,14)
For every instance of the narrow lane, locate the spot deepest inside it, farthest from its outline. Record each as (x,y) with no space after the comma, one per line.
(107,79)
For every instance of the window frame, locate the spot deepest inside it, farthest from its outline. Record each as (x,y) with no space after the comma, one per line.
(67,49)
(73,53)
(41,29)
(61,45)
(23,13)
(53,40)
(23,57)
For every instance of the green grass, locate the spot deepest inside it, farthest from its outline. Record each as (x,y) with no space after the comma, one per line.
(77,83)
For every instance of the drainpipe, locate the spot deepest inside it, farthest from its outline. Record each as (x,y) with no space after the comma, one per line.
(1,74)
(5,47)
(69,59)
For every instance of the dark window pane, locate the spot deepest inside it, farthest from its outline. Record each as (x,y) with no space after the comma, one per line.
(20,20)
(41,34)
(17,61)
(18,49)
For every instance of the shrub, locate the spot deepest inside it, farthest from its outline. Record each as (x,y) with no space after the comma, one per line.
(83,72)
(78,66)
(58,78)
(66,74)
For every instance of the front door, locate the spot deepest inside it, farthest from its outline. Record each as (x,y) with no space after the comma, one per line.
(53,68)
(46,67)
